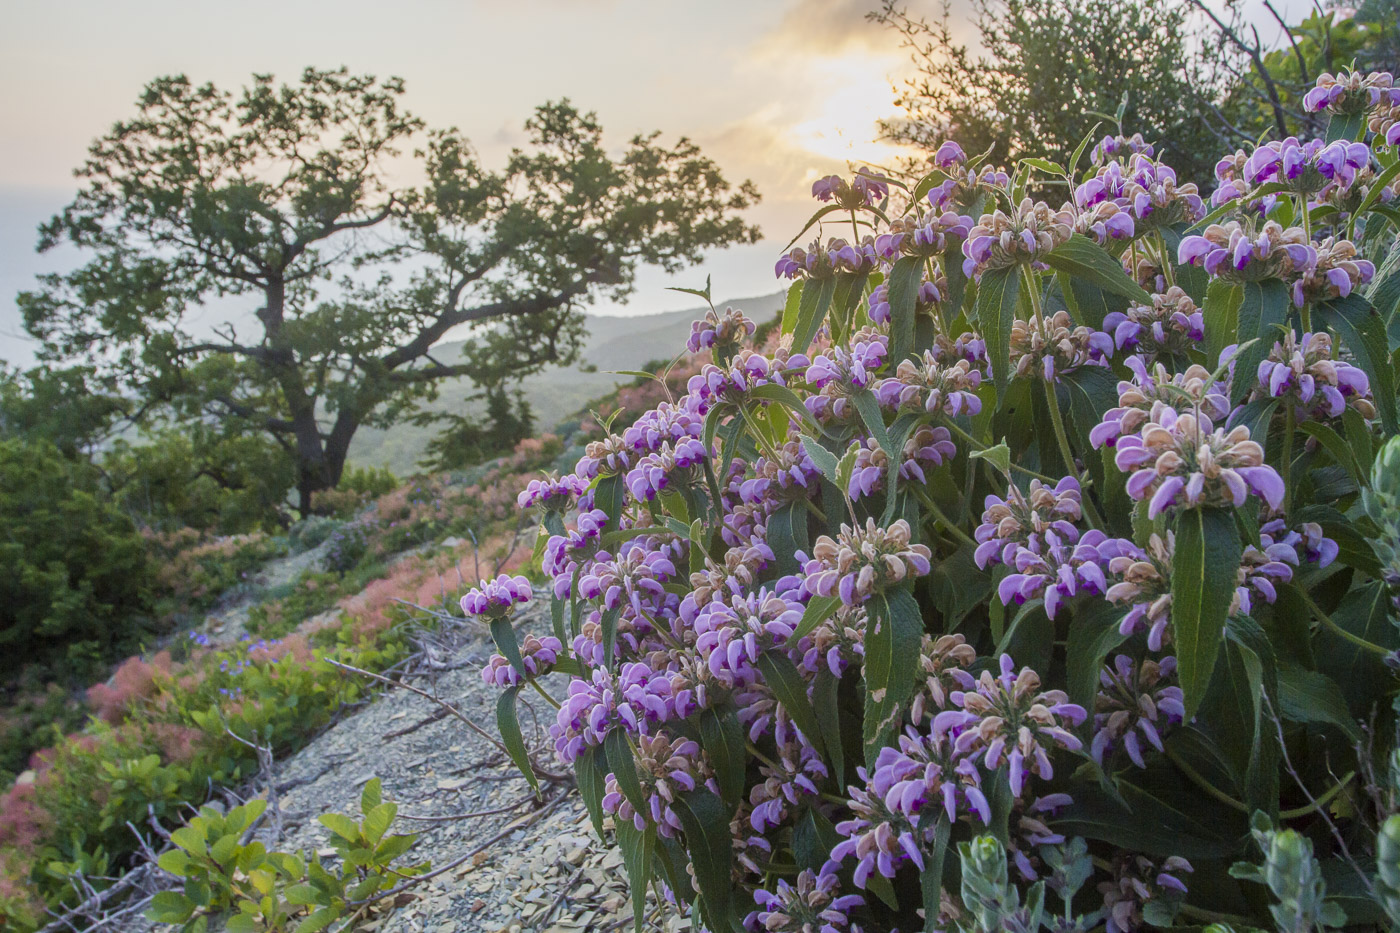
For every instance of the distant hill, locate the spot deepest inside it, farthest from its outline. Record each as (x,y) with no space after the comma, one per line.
(614,343)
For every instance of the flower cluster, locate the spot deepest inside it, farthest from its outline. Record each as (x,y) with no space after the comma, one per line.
(745,575)
(934,385)
(496,598)
(1171,325)
(865,189)
(1181,458)
(1054,347)
(722,333)
(1302,370)
(1135,702)
(1001,240)
(1238,254)
(537,655)
(859,562)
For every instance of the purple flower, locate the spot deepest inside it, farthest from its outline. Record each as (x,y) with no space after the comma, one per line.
(862,561)
(1009,720)
(496,598)
(537,654)
(1135,702)
(809,906)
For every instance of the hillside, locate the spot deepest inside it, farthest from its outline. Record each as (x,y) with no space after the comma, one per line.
(614,343)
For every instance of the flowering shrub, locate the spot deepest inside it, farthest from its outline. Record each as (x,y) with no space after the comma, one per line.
(1043,549)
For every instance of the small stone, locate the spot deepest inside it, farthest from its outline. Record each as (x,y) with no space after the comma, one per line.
(575,856)
(453,784)
(478,906)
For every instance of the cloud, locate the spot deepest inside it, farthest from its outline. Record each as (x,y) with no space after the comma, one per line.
(828,27)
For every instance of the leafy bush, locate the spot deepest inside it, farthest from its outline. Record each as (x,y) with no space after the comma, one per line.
(194,570)
(74,578)
(800,649)
(278,892)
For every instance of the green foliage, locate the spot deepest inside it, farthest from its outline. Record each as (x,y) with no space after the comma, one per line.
(227,872)
(1293,876)
(60,406)
(192,477)
(265,196)
(1048,72)
(74,577)
(469,441)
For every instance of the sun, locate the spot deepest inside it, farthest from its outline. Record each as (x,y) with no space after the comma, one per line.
(851,99)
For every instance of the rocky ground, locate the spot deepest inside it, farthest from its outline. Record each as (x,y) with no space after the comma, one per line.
(530,864)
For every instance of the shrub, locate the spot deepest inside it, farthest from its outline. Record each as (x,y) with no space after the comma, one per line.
(278,892)
(1046,554)
(74,578)
(195,570)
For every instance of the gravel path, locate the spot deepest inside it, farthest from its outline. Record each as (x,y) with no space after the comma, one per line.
(548,872)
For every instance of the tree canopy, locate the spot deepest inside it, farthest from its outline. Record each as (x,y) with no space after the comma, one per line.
(276,214)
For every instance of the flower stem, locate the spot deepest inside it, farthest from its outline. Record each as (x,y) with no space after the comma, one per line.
(1286,467)
(544,693)
(1327,622)
(1195,777)
(1066,453)
(943,520)
(1166,258)
(978,445)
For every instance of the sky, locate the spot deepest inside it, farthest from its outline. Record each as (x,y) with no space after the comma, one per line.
(777,91)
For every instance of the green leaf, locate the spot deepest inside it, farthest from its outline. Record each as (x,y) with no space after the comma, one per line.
(175,862)
(826,705)
(893,636)
(711,853)
(816,299)
(869,409)
(772,392)
(787,534)
(302,895)
(1222,310)
(791,307)
(1263,310)
(782,677)
(1348,126)
(624,768)
(378,820)
(224,849)
(998,456)
(592,775)
(341,825)
(372,795)
(931,878)
(823,459)
(905,279)
(1082,258)
(637,848)
(1311,696)
(1092,635)
(190,839)
(609,626)
(1363,331)
(813,838)
(1204,566)
(997,297)
(1249,669)
(723,740)
(1339,449)
(821,212)
(819,609)
(850,290)
(1361,675)
(318,920)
